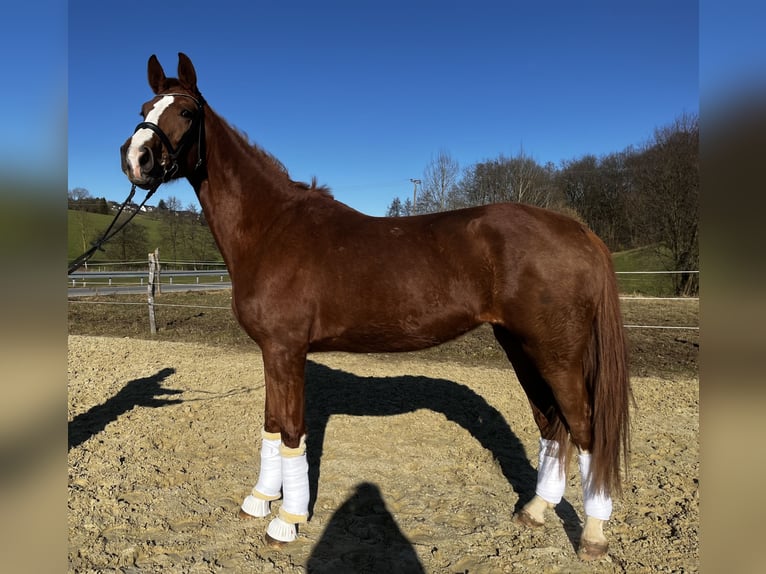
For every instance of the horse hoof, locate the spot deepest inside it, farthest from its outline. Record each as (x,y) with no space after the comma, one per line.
(280,533)
(274,543)
(254,507)
(245,516)
(525,519)
(592,550)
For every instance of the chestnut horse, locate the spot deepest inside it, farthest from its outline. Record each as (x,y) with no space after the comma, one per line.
(311,274)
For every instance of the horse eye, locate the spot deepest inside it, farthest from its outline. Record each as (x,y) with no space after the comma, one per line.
(186,114)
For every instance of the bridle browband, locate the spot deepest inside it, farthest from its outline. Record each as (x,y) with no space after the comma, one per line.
(175,152)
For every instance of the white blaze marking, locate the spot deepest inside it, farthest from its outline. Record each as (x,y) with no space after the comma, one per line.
(142,136)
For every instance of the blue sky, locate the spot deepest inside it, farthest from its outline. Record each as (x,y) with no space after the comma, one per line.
(363,95)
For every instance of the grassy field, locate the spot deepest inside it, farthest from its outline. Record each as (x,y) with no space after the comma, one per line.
(643,259)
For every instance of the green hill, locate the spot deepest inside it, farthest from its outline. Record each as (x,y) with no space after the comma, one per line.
(643,259)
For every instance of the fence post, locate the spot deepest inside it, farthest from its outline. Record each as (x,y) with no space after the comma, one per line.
(157,272)
(150,291)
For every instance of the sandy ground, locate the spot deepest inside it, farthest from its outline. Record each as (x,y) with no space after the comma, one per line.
(417,466)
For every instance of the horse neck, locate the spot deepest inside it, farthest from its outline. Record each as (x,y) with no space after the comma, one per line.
(243,192)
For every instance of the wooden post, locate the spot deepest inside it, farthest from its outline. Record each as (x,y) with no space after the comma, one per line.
(158,280)
(150,291)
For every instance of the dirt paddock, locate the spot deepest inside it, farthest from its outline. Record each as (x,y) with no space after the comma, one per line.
(416,466)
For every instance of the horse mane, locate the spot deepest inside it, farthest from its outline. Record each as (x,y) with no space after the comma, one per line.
(321,190)
(277,167)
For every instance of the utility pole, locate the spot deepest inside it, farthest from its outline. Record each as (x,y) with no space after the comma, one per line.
(415,194)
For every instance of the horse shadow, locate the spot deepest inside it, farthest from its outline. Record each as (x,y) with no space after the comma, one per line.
(332,391)
(143,392)
(362,536)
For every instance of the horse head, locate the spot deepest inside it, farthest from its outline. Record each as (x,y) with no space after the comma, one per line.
(163,146)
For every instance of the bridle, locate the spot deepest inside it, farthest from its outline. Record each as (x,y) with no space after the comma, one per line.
(169,172)
(175,152)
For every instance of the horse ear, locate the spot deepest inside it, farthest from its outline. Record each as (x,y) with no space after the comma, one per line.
(186,73)
(156,74)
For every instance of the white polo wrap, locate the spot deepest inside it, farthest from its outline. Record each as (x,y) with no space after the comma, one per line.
(597,505)
(551,478)
(295,484)
(269,482)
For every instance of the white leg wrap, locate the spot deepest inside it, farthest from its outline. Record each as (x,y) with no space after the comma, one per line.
(597,504)
(269,484)
(295,484)
(551,478)
(270,476)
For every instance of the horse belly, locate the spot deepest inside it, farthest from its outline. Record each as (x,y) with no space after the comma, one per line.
(410,332)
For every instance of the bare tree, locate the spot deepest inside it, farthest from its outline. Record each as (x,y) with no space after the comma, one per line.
(596,188)
(171,229)
(77,200)
(667,173)
(439,183)
(520,179)
(197,240)
(530,182)
(130,244)
(485,182)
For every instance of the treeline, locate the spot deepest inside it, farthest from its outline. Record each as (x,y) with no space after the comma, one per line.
(642,196)
(180,234)
(80,199)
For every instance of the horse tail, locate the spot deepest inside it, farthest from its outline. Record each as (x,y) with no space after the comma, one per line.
(607,377)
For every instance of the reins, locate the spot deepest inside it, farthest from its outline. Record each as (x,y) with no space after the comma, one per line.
(173,153)
(109,233)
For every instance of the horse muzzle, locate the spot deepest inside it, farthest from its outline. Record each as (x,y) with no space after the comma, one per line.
(140,165)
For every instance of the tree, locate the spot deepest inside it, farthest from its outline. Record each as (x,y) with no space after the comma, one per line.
(520,179)
(484,183)
(77,200)
(667,174)
(102,206)
(170,228)
(399,208)
(130,244)
(439,184)
(196,238)
(529,181)
(80,199)
(596,188)
(395,209)
(77,196)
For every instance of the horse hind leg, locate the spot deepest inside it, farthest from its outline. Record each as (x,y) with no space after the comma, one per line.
(553,443)
(561,408)
(598,509)
(573,399)
(550,487)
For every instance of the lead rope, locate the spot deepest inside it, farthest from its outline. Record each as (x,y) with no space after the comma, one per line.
(108,234)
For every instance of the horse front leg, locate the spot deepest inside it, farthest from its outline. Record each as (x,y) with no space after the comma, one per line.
(284,465)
